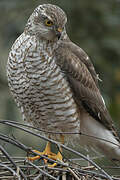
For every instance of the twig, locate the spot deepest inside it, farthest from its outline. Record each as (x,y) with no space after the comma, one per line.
(38,177)
(73,174)
(20,145)
(42,171)
(11,160)
(10,169)
(53,132)
(14,142)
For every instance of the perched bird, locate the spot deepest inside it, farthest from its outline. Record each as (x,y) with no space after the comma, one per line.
(54,83)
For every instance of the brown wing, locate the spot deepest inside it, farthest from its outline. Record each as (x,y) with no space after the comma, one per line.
(83,80)
(84,58)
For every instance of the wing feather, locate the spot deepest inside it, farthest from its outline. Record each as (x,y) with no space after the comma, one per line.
(81,75)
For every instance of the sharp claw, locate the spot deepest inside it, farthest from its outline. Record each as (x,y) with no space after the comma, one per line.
(47,152)
(33,158)
(52,165)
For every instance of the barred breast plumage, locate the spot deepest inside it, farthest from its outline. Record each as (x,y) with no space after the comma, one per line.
(39,86)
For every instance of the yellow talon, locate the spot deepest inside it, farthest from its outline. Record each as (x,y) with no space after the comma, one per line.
(47,152)
(56,157)
(35,157)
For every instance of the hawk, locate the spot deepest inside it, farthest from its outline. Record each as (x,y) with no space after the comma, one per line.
(55,85)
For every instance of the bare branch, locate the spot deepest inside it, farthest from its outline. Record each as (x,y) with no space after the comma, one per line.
(15,167)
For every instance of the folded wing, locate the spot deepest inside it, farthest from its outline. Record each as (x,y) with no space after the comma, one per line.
(83,80)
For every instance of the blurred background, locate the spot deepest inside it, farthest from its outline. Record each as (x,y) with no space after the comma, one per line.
(94,25)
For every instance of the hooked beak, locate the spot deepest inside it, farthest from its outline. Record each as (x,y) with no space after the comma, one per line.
(59,32)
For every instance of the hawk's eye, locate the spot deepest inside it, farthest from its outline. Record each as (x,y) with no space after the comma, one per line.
(48,22)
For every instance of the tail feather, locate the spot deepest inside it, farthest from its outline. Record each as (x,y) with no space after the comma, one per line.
(99,137)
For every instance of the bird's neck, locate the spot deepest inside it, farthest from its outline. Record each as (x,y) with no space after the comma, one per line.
(48,45)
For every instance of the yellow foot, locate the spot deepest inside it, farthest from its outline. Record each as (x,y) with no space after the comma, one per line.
(56,157)
(47,152)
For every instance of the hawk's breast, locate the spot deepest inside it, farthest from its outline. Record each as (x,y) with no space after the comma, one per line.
(39,87)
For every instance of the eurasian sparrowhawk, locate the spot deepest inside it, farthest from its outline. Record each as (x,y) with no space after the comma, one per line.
(54,83)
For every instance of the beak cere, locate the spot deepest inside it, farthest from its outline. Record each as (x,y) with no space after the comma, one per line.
(58,32)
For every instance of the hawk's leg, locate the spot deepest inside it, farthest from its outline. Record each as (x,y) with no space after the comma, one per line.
(49,154)
(58,156)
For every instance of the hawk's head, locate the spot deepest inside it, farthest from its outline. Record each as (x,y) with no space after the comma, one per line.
(47,21)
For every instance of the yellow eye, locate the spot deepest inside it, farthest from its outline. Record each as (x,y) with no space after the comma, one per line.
(48,22)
